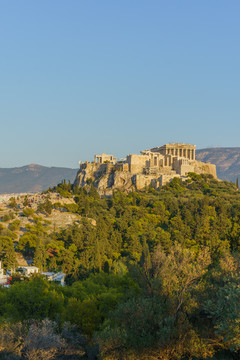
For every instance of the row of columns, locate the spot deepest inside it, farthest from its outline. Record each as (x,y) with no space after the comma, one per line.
(187,153)
(98,159)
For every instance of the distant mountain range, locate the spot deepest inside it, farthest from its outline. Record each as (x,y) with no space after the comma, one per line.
(227,161)
(33,178)
(36,178)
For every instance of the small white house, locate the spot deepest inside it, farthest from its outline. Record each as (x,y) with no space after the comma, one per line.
(48,275)
(58,277)
(3,278)
(28,270)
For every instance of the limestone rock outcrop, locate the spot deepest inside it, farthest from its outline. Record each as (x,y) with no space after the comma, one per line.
(155,167)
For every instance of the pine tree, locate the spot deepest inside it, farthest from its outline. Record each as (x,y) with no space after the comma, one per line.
(145,260)
(40,257)
(237,183)
(10,257)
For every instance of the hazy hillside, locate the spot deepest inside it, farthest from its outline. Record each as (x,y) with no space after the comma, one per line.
(33,178)
(227,161)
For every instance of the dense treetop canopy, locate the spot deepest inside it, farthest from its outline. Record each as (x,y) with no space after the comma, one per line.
(150,275)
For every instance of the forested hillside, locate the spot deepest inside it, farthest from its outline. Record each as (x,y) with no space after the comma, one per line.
(150,275)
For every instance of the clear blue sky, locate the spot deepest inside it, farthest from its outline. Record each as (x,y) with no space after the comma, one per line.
(79,77)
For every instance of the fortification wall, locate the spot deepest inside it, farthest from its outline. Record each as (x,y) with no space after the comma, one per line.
(205,168)
(137,163)
(165,179)
(142,181)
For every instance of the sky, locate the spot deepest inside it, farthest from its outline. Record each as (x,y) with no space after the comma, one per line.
(82,77)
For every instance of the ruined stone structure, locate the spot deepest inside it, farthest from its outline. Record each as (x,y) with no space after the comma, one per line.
(155,167)
(104,158)
(179,150)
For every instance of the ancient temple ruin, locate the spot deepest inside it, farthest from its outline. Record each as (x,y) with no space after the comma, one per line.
(105,158)
(180,150)
(155,167)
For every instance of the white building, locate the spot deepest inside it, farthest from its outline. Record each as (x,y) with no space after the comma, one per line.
(3,278)
(57,277)
(28,270)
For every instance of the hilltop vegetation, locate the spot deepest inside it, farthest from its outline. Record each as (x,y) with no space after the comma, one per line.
(150,275)
(27,220)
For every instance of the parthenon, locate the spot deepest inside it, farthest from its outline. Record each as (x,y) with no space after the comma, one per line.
(156,167)
(180,150)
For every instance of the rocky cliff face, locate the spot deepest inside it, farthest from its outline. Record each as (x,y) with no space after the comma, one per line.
(104,177)
(109,177)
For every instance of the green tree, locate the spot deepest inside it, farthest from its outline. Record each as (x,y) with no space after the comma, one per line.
(25,201)
(223,303)
(40,256)
(28,212)
(7,253)
(34,299)
(13,203)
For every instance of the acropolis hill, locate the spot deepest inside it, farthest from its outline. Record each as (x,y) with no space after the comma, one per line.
(155,167)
